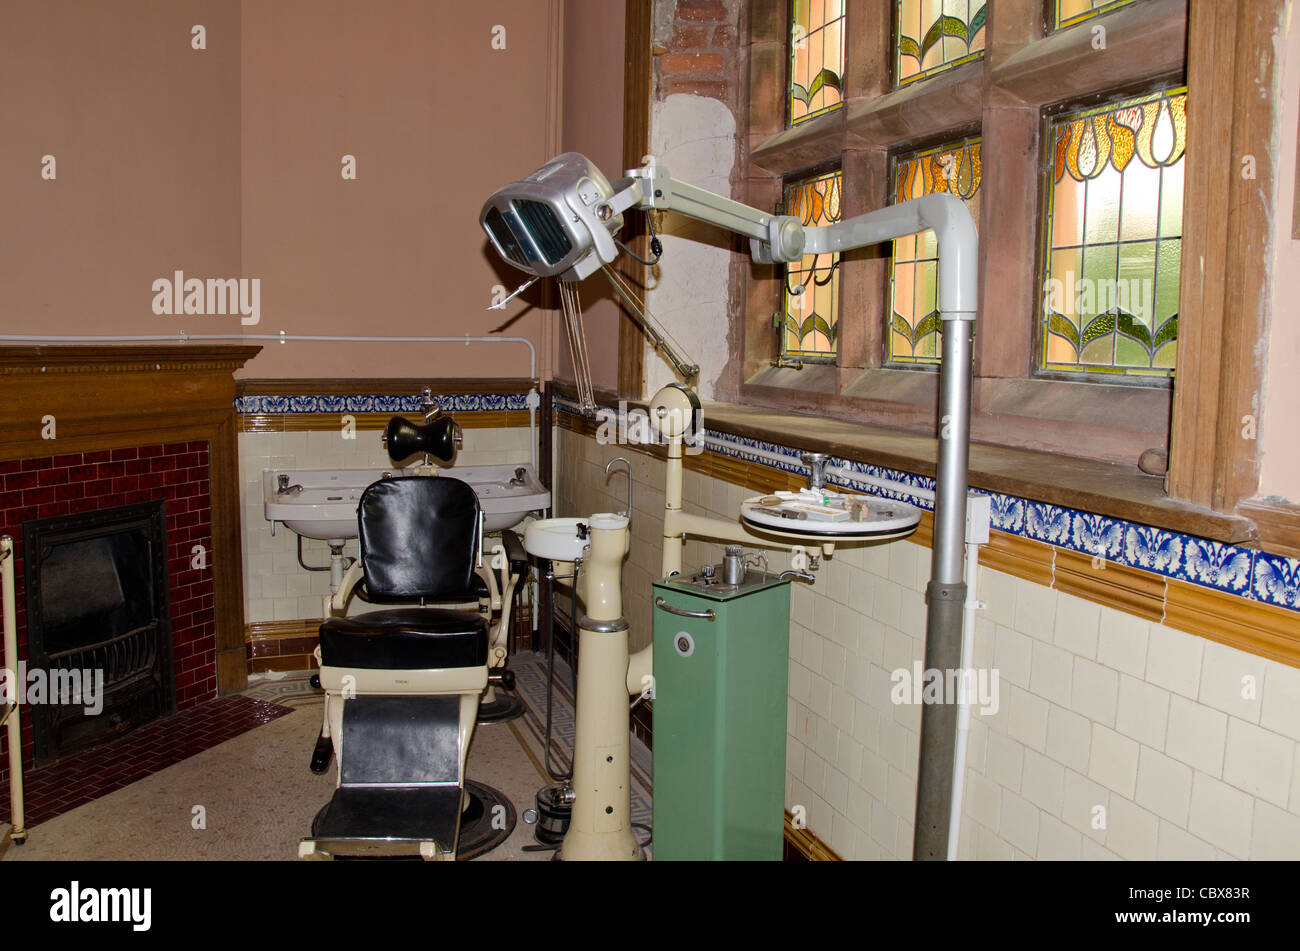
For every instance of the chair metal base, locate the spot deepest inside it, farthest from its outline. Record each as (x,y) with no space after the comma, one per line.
(504,707)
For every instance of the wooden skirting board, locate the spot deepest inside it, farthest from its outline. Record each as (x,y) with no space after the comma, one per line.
(803,845)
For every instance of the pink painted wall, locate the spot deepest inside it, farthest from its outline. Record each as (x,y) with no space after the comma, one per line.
(593,125)
(437,120)
(225,163)
(145,135)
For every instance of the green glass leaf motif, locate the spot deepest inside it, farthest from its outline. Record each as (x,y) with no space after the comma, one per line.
(1099,326)
(1060,325)
(1168,331)
(1134,329)
(908,47)
(898,323)
(944,26)
(977,21)
(816,323)
(927,325)
(824,78)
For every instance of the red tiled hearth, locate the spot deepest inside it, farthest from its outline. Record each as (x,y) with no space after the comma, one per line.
(56,789)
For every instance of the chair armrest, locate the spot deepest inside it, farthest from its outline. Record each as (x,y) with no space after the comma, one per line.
(515,552)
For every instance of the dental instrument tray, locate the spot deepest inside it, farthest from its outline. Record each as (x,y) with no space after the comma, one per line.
(827,514)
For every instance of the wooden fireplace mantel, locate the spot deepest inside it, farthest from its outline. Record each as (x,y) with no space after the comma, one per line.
(56,400)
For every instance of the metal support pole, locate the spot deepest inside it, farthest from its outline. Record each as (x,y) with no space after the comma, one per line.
(945,594)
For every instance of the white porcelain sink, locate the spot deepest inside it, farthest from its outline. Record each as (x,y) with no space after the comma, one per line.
(326,506)
(560,539)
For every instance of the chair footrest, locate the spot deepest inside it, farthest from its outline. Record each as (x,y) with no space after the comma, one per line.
(389,820)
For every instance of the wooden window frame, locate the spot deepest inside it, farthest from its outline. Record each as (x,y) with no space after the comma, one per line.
(1221,51)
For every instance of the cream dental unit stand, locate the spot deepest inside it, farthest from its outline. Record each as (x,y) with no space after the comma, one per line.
(561,222)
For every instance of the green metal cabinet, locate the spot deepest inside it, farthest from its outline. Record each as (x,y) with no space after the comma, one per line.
(720,702)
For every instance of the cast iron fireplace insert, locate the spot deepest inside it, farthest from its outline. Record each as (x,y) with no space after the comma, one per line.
(96,586)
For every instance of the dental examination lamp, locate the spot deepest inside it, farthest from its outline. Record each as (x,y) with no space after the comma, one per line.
(561,222)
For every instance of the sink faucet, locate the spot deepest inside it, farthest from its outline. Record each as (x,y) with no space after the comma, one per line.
(284,488)
(428,405)
(521,477)
(627,470)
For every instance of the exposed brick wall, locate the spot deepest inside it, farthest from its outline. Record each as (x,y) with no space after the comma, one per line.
(176,473)
(701,49)
(699,56)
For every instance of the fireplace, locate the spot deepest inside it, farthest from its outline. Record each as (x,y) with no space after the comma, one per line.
(98,625)
(135,424)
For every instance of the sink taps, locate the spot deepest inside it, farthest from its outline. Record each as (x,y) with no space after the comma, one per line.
(428,405)
(521,477)
(284,488)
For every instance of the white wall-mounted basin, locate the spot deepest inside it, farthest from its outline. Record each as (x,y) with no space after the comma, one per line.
(326,505)
(561,539)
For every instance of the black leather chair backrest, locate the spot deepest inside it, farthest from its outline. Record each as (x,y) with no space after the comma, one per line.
(419,537)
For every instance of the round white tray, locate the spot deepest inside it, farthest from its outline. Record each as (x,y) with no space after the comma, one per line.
(885,519)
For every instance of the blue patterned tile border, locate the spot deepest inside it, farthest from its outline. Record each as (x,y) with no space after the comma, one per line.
(1233,569)
(361,403)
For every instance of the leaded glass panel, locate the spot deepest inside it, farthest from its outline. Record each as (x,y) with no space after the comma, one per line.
(1114,238)
(811,296)
(816,58)
(934,35)
(913,335)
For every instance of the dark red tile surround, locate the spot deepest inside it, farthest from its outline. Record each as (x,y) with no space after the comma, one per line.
(176,473)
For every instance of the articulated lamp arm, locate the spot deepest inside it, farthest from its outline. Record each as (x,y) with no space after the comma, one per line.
(784,238)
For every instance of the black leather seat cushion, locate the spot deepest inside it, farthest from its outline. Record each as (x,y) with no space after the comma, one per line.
(405,639)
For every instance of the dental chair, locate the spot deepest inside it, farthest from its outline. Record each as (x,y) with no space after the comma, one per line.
(402,685)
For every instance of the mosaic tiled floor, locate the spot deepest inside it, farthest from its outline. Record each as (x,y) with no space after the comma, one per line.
(530,684)
(56,789)
(256,789)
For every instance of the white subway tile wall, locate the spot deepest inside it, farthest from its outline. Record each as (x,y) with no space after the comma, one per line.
(276,587)
(1114,737)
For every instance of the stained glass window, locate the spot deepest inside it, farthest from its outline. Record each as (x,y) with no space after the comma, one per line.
(1070,12)
(816,58)
(812,287)
(933,35)
(914,335)
(1114,238)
